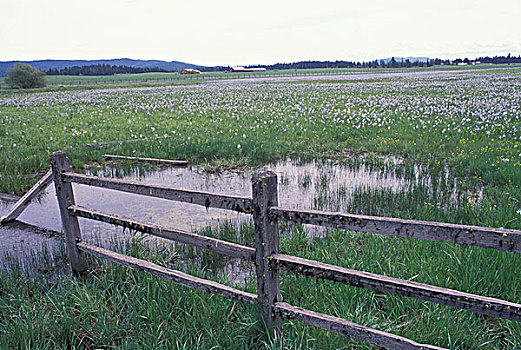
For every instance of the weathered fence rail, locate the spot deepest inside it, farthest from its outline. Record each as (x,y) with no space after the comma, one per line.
(349,329)
(495,238)
(443,296)
(268,261)
(204,242)
(24,201)
(174,276)
(207,199)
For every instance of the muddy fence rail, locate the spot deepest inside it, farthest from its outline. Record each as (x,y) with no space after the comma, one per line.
(263,205)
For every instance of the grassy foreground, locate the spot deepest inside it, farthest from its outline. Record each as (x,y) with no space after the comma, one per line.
(112,307)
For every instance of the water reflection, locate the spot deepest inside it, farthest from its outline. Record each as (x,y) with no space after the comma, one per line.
(298,186)
(321,184)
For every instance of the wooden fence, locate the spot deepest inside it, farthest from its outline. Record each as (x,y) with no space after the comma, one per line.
(268,261)
(21,203)
(206,76)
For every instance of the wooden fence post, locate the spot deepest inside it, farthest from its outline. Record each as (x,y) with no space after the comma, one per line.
(264,191)
(60,163)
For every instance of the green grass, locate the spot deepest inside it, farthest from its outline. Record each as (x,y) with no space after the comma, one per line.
(468,124)
(172,78)
(154,79)
(458,135)
(112,307)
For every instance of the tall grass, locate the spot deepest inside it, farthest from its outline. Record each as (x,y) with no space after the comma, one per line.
(468,123)
(458,144)
(113,307)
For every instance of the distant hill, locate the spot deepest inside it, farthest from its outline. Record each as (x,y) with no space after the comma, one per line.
(172,66)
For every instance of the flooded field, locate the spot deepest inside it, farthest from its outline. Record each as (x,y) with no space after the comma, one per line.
(300,186)
(331,185)
(434,146)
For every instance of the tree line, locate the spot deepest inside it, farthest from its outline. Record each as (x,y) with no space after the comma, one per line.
(24,76)
(389,63)
(500,59)
(102,69)
(106,69)
(392,63)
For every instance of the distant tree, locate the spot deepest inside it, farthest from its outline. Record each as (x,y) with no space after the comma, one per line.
(101,69)
(25,76)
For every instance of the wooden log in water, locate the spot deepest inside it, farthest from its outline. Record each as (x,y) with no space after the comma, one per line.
(149,160)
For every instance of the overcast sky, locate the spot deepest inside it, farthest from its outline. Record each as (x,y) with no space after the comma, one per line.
(233,32)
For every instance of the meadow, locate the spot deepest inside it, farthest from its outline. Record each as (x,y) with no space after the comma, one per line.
(154,79)
(172,77)
(461,130)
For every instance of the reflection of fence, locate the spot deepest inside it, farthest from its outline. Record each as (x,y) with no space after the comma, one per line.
(21,203)
(268,261)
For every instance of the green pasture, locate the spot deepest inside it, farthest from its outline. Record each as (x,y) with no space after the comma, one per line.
(458,135)
(168,78)
(467,125)
(174,77)
(112,307)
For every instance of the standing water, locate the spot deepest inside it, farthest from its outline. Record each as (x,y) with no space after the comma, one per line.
(298,185)
(324,185)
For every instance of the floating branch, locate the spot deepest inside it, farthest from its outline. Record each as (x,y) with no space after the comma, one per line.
(149,160)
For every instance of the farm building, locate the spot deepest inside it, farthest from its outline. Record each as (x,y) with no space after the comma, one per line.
(238,69)
(189,71)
